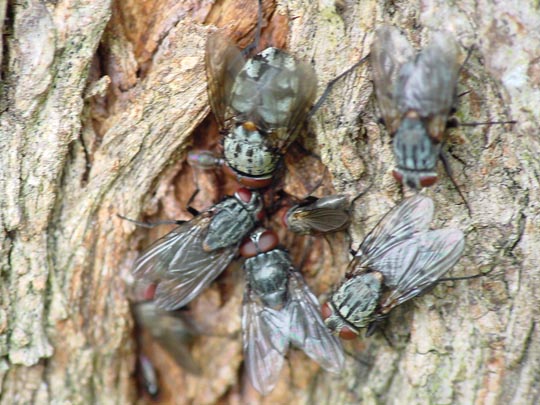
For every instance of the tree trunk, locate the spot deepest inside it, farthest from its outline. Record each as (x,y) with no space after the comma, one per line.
(101,101)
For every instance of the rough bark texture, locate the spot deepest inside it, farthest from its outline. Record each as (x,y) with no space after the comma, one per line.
(100,101)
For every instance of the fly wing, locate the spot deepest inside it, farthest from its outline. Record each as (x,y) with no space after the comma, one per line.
(308,331)
(185,283)
(324,220)
(335,202)
(326,214)
(156,261)
(265,343)
(389,51)
(275,91)
(223,62)
(302,102)
(428,85)
(405,220)
(417,264)
(180,266)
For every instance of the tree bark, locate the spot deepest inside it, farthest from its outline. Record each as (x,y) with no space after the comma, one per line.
(100,102)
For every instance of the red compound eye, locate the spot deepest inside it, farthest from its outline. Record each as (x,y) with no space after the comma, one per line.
(149,292)
(326,310)
(243,194)
(347,333)
(428,181)
(398,176)
(267,241)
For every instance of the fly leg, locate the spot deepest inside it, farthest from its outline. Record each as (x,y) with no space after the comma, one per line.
(462,277)
(154,224)
(454,123)
(331,85)
(376,326)
(448,170)
(201,160)
(318,184)
(255,44)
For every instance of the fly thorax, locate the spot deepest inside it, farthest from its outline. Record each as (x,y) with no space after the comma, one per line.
(413,147)
(267,275)
(232,220)
(356,299)
(248,152)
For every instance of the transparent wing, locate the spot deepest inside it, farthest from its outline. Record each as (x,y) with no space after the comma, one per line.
(416,265)
(275,91)
(334,202)
(324,220)
(428,84)
(156,260)
(411,216)
(172,332)
(318,220)
(180,266)
(308,331)
(264,341)
(223,63)
(185,283)
(326,214)
(389,51)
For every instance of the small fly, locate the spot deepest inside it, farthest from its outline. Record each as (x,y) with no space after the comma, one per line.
(398,260)
(172,330)
(415,92)
(185,261)
(318,215)
(260,105)
(279,310)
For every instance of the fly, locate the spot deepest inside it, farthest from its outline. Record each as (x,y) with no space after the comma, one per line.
(415,92)
(171,330)
(398,260)
(259,103)
(186,260)
(279,310)
(318,215)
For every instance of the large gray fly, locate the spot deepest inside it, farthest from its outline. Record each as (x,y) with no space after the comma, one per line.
(186,260)
(279,310)
(398,260)
(415,93)
(260,104)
